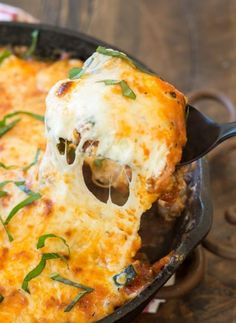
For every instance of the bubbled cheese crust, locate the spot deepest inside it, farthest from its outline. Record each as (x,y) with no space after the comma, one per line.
(147,134)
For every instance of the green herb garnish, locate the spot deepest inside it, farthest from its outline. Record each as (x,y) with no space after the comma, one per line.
(2,184)
(76,73)
(43,238)
(32,48)
(98,162)
(66,281)
(1,298)
(32,197)
(34,161)
(3,193)
(125,277)
(5,128)
(126,90)
(39,268)
(10,237)
(116,53)
(4,54)
(2,165)
(28,113)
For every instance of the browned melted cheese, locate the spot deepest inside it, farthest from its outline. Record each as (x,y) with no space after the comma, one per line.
(103,237)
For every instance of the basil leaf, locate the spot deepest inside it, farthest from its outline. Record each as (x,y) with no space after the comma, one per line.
(1,298)
(4,54)
(76,73)
(28,113)
(32,48)
(3,193)
(98,162)
(126,90)
(38,269)
(112,52)
(109,82)
(66,281)
(116,53)
(34,161)
(5,128)
(69,307)
(2,165)
(10,237)
(32,197)
(125,277)
(2,184)
(43,238)
(21,185)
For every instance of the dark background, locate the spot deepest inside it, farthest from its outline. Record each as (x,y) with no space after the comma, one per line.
(192,44)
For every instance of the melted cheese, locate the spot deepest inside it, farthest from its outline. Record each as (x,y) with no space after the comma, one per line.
(146,134)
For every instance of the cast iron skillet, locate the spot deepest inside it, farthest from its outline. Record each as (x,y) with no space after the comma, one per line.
(193,224)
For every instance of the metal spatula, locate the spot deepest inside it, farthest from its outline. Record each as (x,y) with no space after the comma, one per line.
(203,134)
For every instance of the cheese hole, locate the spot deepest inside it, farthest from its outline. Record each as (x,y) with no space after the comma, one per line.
(70,152)
(104,176)
(61,146)
(101,193)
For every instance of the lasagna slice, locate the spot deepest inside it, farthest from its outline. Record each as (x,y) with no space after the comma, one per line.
(72,253)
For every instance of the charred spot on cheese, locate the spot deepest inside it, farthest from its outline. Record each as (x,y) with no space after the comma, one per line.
(172,94)
(64,88)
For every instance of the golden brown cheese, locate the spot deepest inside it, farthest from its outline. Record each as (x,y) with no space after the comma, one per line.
(103,237)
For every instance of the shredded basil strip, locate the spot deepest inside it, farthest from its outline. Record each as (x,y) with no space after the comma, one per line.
(3,193)
(98,162)
(76,73)
(32,48)
(10,237)
(2,184)
(125,277)
(39,268)
(4,54)
(2,165)
(126,90)
(32,197)
(1,298)
(34,162)
(66,281)
(5,128)
(28,113)
(43,238)
(116,53)
(57,277)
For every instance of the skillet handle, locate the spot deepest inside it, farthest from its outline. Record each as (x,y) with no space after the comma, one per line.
(228,130)
(216,96)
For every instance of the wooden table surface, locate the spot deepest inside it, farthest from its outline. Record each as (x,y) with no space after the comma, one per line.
(191,43)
